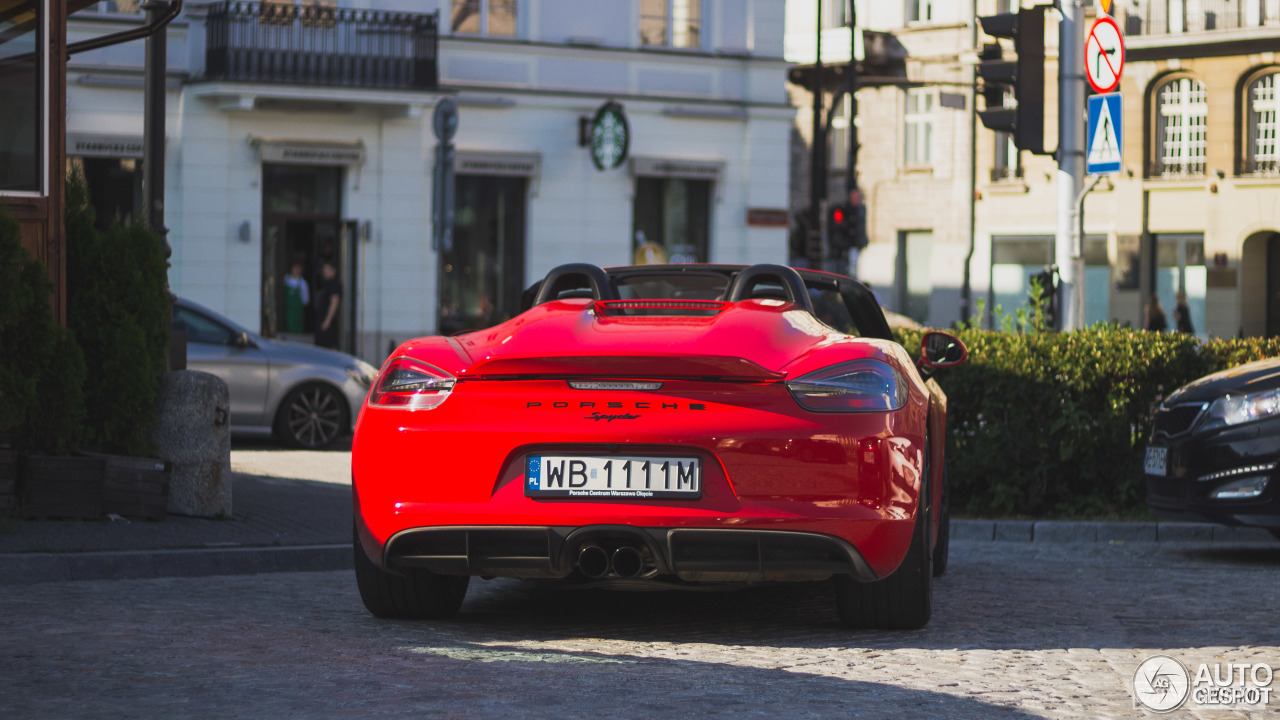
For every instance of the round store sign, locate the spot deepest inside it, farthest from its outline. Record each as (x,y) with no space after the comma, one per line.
(610,136)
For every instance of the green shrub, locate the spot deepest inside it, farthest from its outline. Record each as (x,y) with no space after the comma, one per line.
(42,370)
(1048,424)
(119,308)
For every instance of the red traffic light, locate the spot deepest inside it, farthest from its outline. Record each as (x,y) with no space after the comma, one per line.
(837,216)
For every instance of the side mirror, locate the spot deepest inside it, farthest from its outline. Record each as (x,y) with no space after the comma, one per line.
(242,341)
(940,349)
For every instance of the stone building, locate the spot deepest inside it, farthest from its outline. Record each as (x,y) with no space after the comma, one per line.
(1195,209)
(304,132)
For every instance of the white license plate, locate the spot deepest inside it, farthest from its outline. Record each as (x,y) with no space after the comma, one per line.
(593,477)
(1154,462)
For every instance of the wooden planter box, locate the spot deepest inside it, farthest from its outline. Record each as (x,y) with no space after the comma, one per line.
(61,487)
(135,487)
(8,483)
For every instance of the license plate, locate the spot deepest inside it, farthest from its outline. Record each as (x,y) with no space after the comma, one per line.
(1154,462)
(610,477)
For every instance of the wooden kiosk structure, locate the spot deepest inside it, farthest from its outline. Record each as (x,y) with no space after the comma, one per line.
(33,92)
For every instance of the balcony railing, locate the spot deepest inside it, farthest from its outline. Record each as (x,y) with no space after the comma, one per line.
(1175,17)
(1177,170)
(272,42)
(1260,168)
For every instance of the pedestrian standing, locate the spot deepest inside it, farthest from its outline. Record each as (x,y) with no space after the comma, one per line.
(297,298)
(328,301)
(1156,320)
(1182,314)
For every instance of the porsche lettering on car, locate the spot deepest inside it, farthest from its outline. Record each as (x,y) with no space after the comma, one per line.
(660,426)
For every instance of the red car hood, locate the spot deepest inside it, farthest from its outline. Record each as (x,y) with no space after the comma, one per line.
(752,339)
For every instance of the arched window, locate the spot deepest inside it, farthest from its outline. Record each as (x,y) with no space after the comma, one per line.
(1181,111)
(1262,154)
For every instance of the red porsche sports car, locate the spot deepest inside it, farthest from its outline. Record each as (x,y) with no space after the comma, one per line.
(660,424)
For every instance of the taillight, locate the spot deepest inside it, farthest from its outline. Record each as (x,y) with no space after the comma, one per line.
(412,385)
(855,386)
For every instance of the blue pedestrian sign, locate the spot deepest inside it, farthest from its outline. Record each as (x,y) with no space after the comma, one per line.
(1104,134)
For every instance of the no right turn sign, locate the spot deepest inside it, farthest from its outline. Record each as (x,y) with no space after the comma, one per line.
(1104,55)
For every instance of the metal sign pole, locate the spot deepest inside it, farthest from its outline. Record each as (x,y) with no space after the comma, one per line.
(1070,177)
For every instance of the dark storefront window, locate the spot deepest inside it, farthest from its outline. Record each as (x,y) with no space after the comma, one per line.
(482,275)
(1015,259)
(22,115)
(671,220)
(115,189)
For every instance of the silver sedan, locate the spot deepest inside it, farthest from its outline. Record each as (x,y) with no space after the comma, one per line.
(304,395)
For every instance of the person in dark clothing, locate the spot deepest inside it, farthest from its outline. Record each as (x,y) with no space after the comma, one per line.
(1182,315)
(1156,320)
(328,300)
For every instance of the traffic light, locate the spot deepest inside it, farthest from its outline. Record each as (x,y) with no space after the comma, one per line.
(1024,76)
(847,226)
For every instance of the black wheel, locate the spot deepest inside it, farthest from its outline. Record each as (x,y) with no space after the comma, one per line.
(1275,532)
(312,417)
(419,595)
(902,601)
(942,546)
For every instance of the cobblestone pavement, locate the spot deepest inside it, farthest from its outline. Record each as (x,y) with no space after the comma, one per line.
(1019,630)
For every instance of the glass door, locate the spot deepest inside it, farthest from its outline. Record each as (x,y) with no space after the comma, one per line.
(1273,286)
(1180,269)
(301,231)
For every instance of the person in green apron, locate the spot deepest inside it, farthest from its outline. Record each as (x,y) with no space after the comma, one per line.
(297,298)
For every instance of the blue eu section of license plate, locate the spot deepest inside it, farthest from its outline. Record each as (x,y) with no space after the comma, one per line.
(613,477)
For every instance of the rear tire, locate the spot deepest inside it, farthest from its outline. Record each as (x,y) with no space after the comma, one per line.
(902,601)
(312,417)
(414,595)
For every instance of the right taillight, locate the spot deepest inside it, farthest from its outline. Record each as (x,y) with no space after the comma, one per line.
(411,385)
(855,386)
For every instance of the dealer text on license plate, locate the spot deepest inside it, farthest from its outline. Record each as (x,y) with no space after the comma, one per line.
(1154,463)
(610,477)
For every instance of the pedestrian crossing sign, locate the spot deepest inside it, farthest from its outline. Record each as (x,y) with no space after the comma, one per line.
(1104,134)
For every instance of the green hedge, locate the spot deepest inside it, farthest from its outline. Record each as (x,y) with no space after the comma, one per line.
(42,370)
(118,307)
(91,385)
(1049,424)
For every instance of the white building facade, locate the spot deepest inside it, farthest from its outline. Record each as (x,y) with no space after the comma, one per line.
(300,134)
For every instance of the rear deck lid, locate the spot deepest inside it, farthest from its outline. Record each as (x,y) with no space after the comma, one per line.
(751,340)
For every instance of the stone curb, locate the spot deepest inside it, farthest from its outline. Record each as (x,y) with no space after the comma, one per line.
(29,568)
(1067,531)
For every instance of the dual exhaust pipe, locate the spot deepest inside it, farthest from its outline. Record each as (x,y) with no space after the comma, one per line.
(596,562)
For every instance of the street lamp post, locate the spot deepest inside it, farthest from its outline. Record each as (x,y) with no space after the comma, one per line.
(153,156)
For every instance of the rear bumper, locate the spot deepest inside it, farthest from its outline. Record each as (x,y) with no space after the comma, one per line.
(689,554)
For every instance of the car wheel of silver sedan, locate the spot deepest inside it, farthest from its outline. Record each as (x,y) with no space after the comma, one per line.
(312,417)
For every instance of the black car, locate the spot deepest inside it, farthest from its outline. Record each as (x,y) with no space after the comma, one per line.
(1215,449)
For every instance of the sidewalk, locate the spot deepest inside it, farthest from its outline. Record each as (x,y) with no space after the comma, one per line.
(292,512)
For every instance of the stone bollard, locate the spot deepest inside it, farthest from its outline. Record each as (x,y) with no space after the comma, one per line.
(192,432)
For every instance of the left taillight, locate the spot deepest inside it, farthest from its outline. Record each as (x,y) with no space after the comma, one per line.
(411,384)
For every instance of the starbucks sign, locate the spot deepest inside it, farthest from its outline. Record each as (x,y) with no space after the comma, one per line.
(610,136)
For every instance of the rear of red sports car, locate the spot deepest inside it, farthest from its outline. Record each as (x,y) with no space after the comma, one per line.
(629,442)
